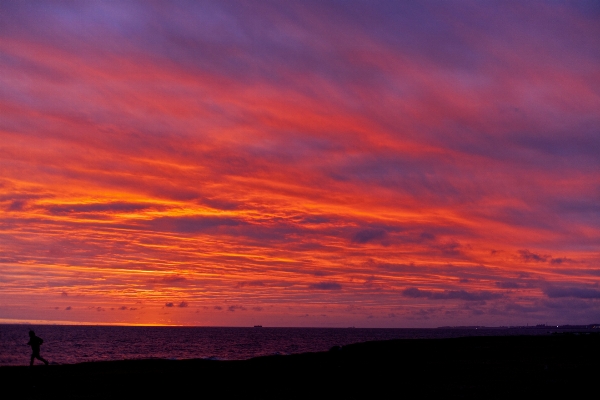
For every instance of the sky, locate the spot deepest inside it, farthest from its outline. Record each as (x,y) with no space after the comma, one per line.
(313,163)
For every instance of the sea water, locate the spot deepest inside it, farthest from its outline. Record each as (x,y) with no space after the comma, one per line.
(75,344)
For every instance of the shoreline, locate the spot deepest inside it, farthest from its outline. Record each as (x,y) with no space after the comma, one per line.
(466,367)
(70,345)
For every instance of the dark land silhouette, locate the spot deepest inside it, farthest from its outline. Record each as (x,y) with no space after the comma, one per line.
(35,343)
(472,367)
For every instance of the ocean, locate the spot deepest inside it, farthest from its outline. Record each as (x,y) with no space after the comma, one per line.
(76,344)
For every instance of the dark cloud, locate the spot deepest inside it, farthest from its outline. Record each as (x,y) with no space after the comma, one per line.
(122,308)
(528,256)
(558,261)
(64,294)
(68,308)
(451,295)
(169,304)
(17,205)
(369,235)
(576,292)
(315,219)
(18,201)
(515,284)
(183,304)
(193,224)
(508,285)
(220,204)
(451,248)
(427,236)
(96,208)
(257,308)
(218,308)
(326,286)
(234,308)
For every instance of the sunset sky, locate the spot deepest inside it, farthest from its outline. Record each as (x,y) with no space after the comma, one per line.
(326,163)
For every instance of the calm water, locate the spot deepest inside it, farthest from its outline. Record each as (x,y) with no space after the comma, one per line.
(74,344)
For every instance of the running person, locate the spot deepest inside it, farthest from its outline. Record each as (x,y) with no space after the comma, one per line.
(35,343)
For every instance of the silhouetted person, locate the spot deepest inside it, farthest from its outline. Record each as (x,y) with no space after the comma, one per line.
(35,343)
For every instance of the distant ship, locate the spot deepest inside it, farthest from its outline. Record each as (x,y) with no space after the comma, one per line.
(258,326)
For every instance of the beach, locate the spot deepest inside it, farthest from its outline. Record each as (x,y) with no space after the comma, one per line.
(470,367)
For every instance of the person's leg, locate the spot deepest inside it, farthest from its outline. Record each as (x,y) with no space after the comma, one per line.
(31,362)
(42,359)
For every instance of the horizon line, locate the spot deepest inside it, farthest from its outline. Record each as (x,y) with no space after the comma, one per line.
(9,321)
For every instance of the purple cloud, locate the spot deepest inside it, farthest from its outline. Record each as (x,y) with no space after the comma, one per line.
(451,295)
(554,292)
(325,286)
